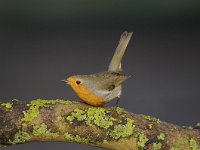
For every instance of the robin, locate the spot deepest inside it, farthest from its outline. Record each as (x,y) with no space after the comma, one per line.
(100,88)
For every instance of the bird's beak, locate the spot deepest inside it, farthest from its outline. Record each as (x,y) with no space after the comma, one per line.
(65,81)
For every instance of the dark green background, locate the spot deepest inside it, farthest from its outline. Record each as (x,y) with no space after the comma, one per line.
(40,12)
(42,42)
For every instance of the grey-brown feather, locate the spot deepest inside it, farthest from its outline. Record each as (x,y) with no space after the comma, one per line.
(115,64)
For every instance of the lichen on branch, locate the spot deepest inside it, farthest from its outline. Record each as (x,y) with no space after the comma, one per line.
(110,128)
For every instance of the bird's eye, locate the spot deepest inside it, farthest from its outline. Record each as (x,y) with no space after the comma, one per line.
(78,82)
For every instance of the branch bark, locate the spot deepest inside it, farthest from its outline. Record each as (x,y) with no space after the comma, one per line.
(109,128)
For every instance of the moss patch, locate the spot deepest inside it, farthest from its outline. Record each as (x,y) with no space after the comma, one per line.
(3,145)
(42,130)
(183,142)
(34,106)
(156,146)
(180,142)
(70,118)
(142,139)
(20,137)
(92,116)
(150,126)
(161,136)
(59,118)
(193,144)
(98,116)
(123,130)
(150,118)
(101,118)
(175,148)
(79,114)
(190,127)
(120,110)
(198,124)
(76,138)
(7,105)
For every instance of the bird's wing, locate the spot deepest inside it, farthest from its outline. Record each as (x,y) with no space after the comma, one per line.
(113,82)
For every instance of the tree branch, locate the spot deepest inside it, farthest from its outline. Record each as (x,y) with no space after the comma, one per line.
(110,128)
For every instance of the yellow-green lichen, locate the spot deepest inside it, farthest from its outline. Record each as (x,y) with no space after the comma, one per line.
(20,137)
(198,124)
(34,106)
(3,145)
(76,138)
(193,144)
(101,118)
(42,130)
(175,148)
(190,127)
(120,110)
(142,139)
(70,118)
(59,118)
(157,146)
(79,114)
(161,136)
(98,116)
(123,130)
(183,142)
(92,115)
(7,105)
(150,126)
(150,118)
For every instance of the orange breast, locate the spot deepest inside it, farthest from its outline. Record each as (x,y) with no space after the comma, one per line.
(86,95)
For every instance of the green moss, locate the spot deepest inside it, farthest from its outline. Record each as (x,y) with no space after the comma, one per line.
(161,136)
(20,137)
(180,142)
(150,126)
(3,145)
(7,105)
(150,118)
(105,142)
(198,124)
(123,130)
(70,118)
(77,138)
(190,127)
(120,110)
(142,139)
(157,146)
(42,130)
(175,148)
(93,115)
(59,118)
(193,144)
(99,118)
(79,114)
(34,106)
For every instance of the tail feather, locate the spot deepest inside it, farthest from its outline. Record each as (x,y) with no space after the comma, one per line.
(115,64)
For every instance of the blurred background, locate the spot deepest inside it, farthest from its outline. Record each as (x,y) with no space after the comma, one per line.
(42,42)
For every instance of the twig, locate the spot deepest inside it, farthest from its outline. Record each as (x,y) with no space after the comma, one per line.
(110,128)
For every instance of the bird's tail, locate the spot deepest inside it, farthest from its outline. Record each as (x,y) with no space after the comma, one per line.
(115,64)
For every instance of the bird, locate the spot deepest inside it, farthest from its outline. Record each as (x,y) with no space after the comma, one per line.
(100,88)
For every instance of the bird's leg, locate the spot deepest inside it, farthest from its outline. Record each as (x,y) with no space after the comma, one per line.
(117,102)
